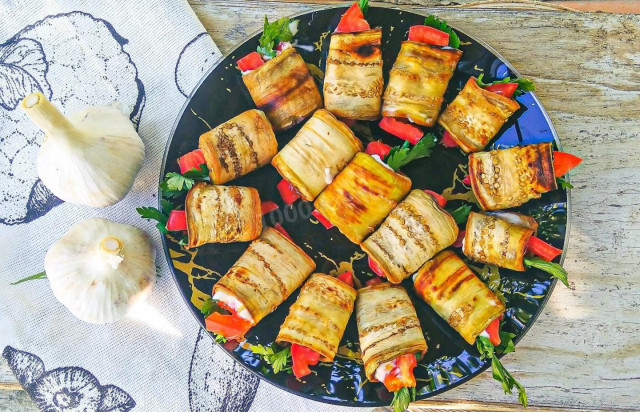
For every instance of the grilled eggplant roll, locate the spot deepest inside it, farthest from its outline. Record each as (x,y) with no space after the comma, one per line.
(353,81)
(418,81)
(284,89)
(475,116)
(238,146)
(317,153)
(413,233)
(489,239)
(507,178)
(457,295)
(361,196)
(387,325)
(319,316)
(264,276)
(222,214)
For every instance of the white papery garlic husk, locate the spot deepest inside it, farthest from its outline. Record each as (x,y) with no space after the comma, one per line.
(99,269)
(90,157)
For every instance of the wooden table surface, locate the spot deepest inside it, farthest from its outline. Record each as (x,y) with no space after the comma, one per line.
(583,353)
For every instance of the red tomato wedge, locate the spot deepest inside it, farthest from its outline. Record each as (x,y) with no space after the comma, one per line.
(563,162)
(280,229)
(322,219)
(494,331)
(268,206)
(230,326)
(541,248)
(251,61)
(352,21)
(375,268)
(191,160)
(288,193)
(302,357)
(378,148)
(401,129)
(347,278)
(447,140)
(504,89)
(177,220)
(373,281)
(401,376)
(466,180)
(442,202)
(429,35)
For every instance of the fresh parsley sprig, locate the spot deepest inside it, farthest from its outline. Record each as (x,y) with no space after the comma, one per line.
(402,398)
(273,34)
(524,85)
(161,216)
(399,156)
(500,373)
(563,183)
(461,214)
(210,306)
(554,269)
(279,359)
(433,21)
(176,184)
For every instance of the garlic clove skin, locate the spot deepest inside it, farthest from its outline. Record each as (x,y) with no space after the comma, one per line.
(99,269)
(89,158)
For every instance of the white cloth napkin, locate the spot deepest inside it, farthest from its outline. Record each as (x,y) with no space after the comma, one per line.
(148,55)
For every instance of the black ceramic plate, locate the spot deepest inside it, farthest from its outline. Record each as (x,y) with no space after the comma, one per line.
(450,360)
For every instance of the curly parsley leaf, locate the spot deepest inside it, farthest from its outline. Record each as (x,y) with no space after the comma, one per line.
(524,85)
(279,359)
(364,6)
(554,269)
(563,183)
(500,373)
(433,21)
(155,214)
(399,156)
(402,398)
(461,214)
(41,275)
(273,34)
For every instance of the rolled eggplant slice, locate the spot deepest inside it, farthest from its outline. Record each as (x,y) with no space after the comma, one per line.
(222,214)
(238,146)
(266,273)
(387,325)
(507,178)
(476,115)
(489,239)
(284,89)
(361,196)
(413,233)
(457,295)
(418,81)
(353,82)
(319,316)
(317,153)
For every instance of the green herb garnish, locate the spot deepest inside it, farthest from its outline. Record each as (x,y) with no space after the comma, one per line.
(364,6)
(402,398)
(433,21)
(279,359)
(401,155)
(554,269)
(273,34)
(524,85)
(461,214)
(502,375)
(155,214)
(41,275)
(210,306)
(563,183)
(176,184)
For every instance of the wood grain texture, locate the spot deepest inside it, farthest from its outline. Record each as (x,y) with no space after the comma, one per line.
(584,351)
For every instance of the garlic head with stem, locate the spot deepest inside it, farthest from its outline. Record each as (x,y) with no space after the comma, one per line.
(90,157)
(100,269)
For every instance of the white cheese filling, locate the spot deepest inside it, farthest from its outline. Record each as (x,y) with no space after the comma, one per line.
(379,160)
(328,177)
(384,369)
(233,303)
(485,334)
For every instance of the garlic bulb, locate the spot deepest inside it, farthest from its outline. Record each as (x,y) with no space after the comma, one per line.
(99,269)
(90,157)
